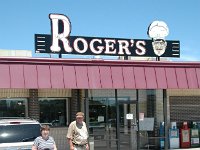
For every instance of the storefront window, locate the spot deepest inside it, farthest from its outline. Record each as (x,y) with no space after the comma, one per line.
(53,112)
(12,107)
(151,120)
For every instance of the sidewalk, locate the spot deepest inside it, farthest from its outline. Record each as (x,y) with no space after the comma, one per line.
(187,149)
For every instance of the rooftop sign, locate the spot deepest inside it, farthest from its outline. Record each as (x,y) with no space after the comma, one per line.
(61,42)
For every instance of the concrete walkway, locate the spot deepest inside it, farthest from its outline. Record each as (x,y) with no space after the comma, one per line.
(187,149)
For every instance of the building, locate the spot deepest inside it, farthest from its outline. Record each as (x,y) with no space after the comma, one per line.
(118,97)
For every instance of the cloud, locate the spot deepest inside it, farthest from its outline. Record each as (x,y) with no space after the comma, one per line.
(188,53)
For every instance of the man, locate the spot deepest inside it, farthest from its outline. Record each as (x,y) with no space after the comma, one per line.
(77,134)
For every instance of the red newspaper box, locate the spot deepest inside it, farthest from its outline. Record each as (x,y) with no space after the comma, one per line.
(185,136)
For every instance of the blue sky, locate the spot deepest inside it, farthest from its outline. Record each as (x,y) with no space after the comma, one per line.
(21,19)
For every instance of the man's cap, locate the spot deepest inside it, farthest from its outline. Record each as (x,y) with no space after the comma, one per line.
(79,114)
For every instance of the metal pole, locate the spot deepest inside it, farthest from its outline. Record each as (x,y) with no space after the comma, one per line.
(165,117)
(157,58)
(60,55)
(137,119)
(117,120)
(86,108)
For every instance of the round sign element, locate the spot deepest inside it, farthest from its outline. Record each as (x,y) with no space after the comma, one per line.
(158,30)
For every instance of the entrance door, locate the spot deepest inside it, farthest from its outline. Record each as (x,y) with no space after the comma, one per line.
(112,124)
(127,125)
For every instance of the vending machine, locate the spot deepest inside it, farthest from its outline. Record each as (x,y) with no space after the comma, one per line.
(185,136)
(174,136)
(194,132)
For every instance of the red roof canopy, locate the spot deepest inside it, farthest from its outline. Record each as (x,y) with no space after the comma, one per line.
(37,73)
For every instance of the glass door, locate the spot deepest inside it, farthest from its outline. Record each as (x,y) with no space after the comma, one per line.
(127,125)
(102,123)
(113,124)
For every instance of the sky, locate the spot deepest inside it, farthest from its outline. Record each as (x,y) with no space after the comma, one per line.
(20,20)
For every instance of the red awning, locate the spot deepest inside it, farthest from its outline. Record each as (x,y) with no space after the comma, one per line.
(34,73)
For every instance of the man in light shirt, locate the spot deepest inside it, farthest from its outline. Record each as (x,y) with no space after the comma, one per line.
(77,134)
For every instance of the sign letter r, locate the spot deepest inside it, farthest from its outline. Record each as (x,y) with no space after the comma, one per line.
(56,36)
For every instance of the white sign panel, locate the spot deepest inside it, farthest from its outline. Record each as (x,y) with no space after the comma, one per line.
(129,116)
(100,118)
(147,124)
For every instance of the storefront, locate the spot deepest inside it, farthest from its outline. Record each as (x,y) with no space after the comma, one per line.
(128,104)
(118,96)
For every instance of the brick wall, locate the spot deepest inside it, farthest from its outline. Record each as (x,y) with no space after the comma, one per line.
(33,104)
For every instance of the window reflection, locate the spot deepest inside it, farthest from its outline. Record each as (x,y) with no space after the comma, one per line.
(12,107)
(53,112)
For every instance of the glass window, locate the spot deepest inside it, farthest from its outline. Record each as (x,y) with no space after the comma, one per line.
(53,111)
(19,133)
(12,107)
(151,119)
